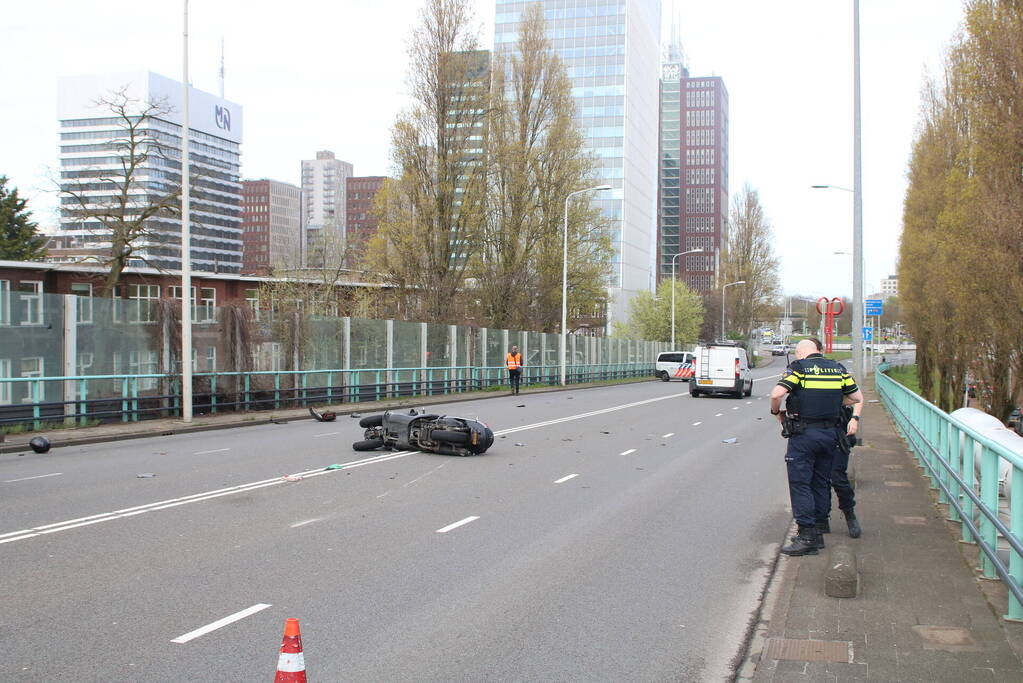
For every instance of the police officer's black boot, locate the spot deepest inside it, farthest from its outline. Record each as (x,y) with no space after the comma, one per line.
(804,543)
(853,523)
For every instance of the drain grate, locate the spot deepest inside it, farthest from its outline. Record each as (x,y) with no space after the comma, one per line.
(809,650)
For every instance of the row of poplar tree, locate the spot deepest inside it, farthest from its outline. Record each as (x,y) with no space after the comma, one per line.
(961,254)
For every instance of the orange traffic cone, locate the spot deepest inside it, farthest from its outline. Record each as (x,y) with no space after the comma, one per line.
(291,663)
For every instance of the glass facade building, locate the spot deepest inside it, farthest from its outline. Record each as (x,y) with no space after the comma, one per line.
(610,51)
(93,148)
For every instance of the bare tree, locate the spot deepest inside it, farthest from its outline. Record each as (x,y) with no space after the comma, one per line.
(120,204)
(431,212)
(749,256)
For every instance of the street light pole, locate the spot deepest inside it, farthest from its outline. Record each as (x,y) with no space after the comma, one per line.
(674,262)
(857,308)
(564,282)
(186,248)
(739,282)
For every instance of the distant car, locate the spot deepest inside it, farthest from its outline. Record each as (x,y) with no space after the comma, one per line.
(1014,418)
(779,349)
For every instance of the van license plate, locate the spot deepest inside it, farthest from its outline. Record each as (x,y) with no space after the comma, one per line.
(706,381)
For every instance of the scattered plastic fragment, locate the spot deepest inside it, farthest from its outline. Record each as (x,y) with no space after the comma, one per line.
(519,444)
(603,432)
(335,466)
(278,421)
(291,477)
(732,440)
(521,405)
(566,439)
(145,475)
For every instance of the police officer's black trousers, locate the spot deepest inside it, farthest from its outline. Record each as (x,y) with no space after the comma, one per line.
(809,459)
(840,482)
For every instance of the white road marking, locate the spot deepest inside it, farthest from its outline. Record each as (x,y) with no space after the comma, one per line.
(719,415)
(384,494)
(306,521)
(462,522)
(215,450)
(220,623)
(697,424)
(768,377)
(749,403)
(565,478)
(326,434)
(65,525)
(38,476)
(631,450)
(669,434)
(735,408)
(405,486)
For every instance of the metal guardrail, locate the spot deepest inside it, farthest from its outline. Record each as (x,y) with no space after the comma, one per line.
(130,398)
(948,449)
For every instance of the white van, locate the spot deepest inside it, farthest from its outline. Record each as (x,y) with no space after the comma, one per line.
(721,368)
(675,365)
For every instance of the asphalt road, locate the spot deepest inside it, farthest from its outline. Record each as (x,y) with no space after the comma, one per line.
(631,544)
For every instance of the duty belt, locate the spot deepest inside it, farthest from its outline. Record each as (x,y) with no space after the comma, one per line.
(821,422)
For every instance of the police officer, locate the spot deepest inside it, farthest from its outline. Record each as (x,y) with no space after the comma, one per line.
(815,390)
(513,361)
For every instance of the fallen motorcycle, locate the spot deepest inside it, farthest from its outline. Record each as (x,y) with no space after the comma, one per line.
(421,432)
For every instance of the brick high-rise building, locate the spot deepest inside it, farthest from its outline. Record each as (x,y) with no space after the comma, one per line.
(271,226)
(362,221)
(693,189)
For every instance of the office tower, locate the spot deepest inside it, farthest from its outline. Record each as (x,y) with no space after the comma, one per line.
(92,147)
(610,51)
(362,220)
(271,226)
(323,193)
(693,187)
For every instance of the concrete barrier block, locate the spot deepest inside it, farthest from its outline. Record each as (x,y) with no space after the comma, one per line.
(841,578)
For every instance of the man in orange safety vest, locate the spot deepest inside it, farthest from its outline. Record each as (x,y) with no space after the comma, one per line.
(514,362)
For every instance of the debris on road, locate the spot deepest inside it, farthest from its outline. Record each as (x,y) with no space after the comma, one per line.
(355,415)
(732,440)
(603,432)
(278,421)
(145,475)
(291,477)
(519,444)
(325,416)
(335,466)
(40,444)
(521,405)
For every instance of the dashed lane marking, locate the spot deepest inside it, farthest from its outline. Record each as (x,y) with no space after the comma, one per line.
(668,435)
(306,521)
(215,450)
(455,525)
(631,450)
(565,478)
(317,436)
(697,424)
(220,623)
(719,415)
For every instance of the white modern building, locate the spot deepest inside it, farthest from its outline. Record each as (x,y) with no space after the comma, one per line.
(610,49)
(890,286)
(324,180)
(94,143)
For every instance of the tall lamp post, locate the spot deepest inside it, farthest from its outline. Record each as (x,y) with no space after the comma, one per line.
(674,262)
(564,281)
(186,248)
(730,284)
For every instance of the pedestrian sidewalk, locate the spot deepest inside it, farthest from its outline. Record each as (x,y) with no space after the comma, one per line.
(921,614)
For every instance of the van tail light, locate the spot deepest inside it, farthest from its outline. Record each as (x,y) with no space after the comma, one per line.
(737,368)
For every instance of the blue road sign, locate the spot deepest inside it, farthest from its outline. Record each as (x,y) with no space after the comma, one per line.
(873,307)
(868,334)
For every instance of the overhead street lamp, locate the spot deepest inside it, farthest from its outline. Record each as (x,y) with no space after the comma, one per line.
(730,284)
(674,262)
(564,280)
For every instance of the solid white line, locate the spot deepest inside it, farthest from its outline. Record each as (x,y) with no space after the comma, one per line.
(631,450)
(668,435)
(768,377)
(326,434)
(449,527)
(566,478)
(697,424)
(237,616)
(215,450)
(306,521)
(38,476)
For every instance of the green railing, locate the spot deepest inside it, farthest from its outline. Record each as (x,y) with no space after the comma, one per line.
(948,450)
(130,398)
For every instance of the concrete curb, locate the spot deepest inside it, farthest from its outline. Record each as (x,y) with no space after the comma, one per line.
(171,427)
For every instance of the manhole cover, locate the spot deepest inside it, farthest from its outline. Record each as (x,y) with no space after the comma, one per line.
(809,650)
(948,638)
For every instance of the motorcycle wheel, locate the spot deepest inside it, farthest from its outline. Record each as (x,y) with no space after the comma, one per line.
(367,445)
(448,436)
(371,421)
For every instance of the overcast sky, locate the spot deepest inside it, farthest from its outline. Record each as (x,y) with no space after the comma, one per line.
(331,75)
